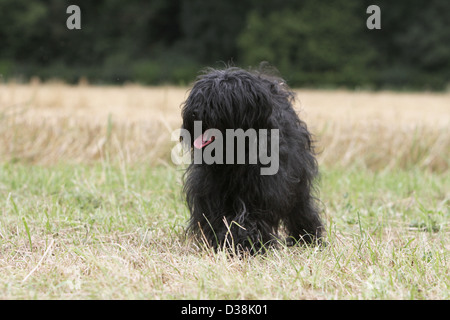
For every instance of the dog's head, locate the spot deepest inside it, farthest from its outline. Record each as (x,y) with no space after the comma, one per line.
(232,98)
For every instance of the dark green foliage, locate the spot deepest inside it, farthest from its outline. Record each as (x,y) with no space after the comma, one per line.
(312,43)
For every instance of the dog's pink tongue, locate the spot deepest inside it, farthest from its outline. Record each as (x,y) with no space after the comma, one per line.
(202,141)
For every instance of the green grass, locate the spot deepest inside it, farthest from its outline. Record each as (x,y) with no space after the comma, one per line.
(117,232)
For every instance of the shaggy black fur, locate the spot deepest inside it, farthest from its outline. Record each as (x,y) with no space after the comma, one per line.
(233,205)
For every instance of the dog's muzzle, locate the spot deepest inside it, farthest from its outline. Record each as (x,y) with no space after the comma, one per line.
(203,140)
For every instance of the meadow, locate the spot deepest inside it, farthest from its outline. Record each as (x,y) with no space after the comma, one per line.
(91,204)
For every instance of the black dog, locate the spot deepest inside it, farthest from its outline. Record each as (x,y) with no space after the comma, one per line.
(234,204)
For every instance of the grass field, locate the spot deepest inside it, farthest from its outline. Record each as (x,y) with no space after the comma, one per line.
(91,207)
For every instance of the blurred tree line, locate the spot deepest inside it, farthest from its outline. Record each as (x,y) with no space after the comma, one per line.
(312,43)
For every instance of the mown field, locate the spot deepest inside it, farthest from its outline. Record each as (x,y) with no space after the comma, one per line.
(91,206)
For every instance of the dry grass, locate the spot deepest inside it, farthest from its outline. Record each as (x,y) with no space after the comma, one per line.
(48,123)
(103,232)
(83,215)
